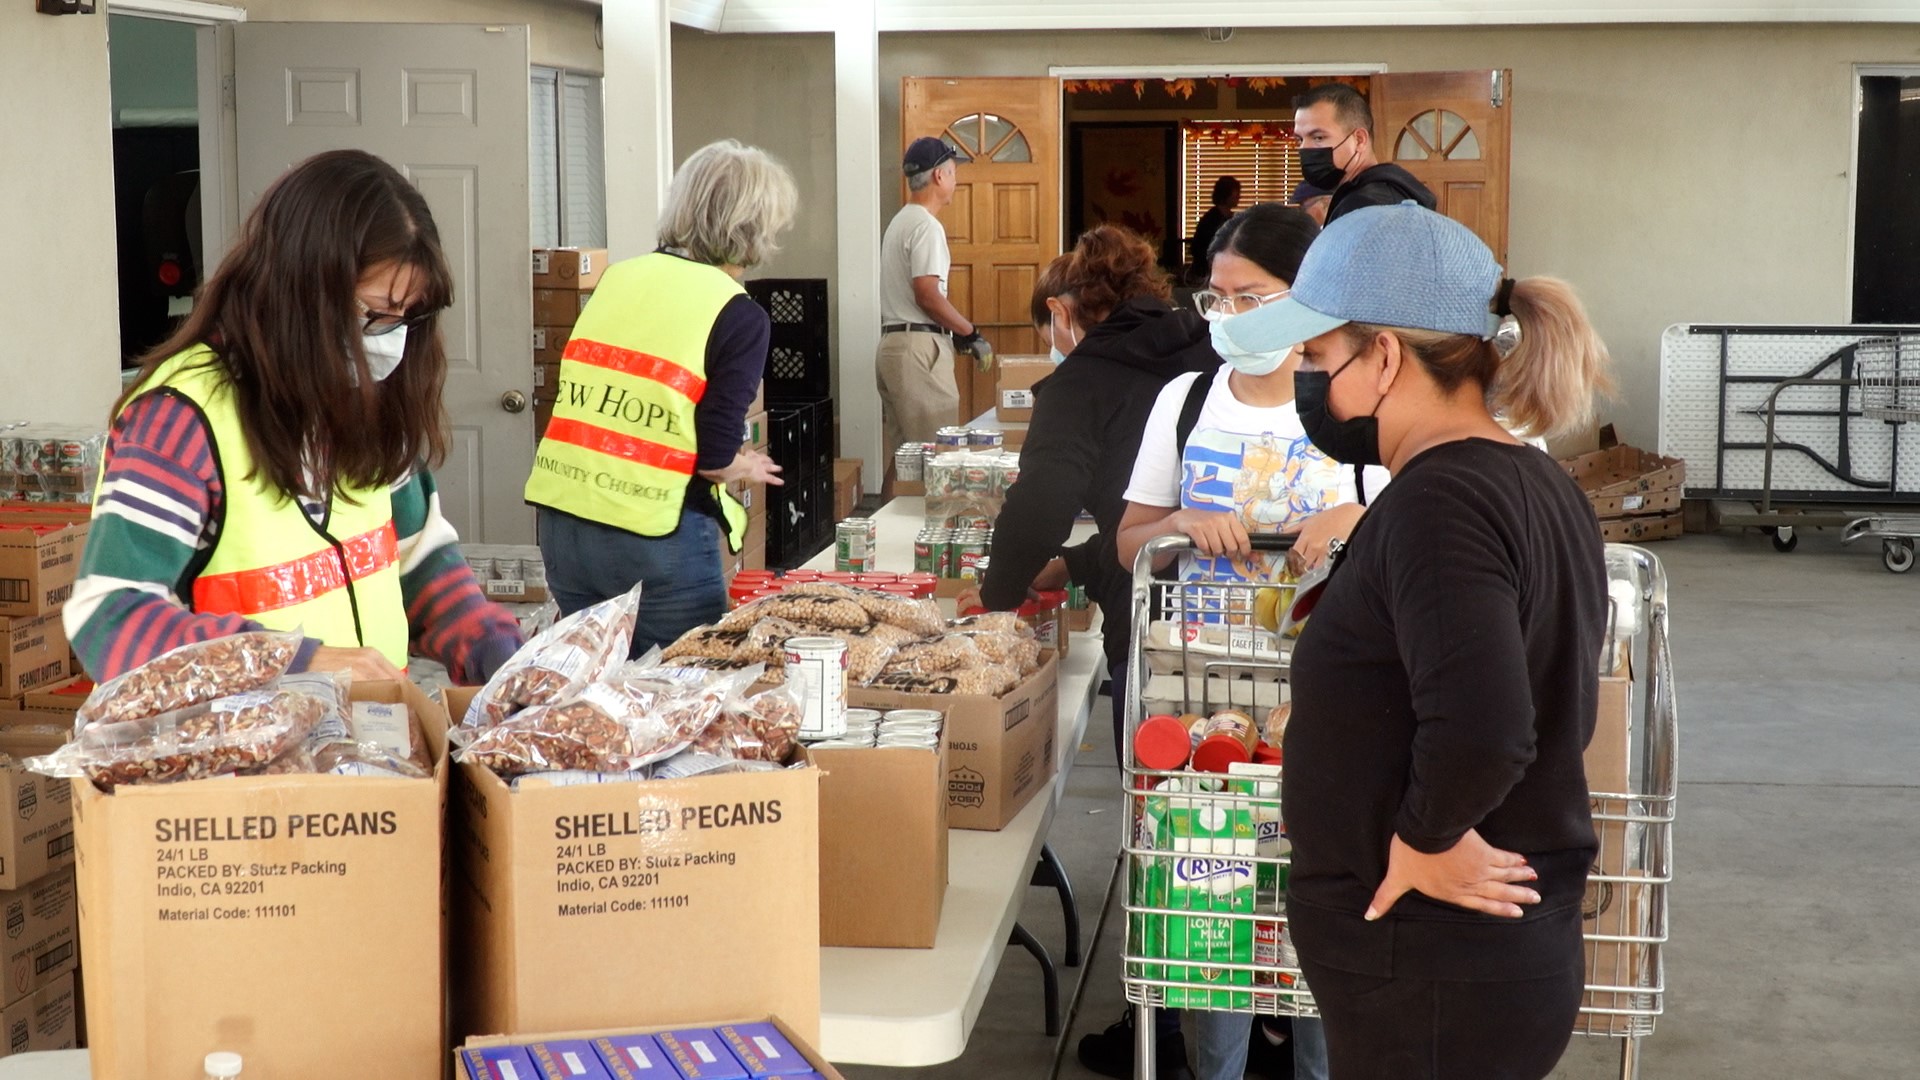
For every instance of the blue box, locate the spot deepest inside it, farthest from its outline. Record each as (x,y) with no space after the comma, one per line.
(701,1054)
(634,1057)
(498,1063)
(567,1059)
(763,1050)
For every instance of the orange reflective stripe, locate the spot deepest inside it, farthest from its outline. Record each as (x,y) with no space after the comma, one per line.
(638,364)
(612,443)
(270,588)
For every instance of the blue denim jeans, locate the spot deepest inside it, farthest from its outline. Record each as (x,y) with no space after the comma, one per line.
(588,562)
(1222,1052)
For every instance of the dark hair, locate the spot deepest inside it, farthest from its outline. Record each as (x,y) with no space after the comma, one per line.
(1349,106)
(283,319)
(1111,266)
(1272,235)
(1052,282)
(1226,185)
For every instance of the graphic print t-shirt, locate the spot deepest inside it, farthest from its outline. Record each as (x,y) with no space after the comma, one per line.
(1250,460)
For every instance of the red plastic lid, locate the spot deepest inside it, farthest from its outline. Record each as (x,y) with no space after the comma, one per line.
(1053,598)
(920,575)
(878,577)
(970,611)
(1266,755)
(796,576)
(81,685)
(1216,752)
(754,575)
(900,588)
(1161,743)
(1028,609)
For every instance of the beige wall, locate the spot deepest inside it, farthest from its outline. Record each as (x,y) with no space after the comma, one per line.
(782,103)
(1672,173)
(560,31)
(58,291)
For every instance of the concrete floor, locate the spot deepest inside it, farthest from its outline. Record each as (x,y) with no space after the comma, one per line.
(1796,892)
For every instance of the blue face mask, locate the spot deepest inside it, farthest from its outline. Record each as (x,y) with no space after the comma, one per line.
(1242,360)
(1053,351)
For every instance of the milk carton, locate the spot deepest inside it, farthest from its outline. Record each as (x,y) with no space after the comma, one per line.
(1209,871)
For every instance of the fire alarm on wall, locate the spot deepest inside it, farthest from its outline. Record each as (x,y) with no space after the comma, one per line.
(65,7)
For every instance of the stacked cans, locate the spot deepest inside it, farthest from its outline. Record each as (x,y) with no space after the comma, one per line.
(912,729)
(854,542)
(952,553)
(909,461)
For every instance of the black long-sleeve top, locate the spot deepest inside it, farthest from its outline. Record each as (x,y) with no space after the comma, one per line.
(736,362)
(1447,681)
(1081,443)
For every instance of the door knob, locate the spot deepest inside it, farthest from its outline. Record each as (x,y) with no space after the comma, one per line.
(513,401)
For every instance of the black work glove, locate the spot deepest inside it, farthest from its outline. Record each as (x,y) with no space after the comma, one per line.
(977,345)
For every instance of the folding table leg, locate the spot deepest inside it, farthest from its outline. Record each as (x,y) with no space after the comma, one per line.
(1052,873)
(1024,938)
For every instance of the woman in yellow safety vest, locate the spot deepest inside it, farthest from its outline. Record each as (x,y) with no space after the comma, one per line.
(633,474)
(267,468)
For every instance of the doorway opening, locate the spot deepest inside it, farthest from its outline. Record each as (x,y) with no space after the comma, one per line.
(1149,153)
(154,68)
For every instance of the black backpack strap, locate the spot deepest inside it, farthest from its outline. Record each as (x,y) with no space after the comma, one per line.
(1190,416)
(1360,483)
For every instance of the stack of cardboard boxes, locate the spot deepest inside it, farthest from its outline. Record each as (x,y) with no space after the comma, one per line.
(39,555)
(563,281)
(1635,493)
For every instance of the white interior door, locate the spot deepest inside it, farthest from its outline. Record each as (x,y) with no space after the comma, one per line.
(447,105)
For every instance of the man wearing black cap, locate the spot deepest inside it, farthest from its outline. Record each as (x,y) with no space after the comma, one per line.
(919,328)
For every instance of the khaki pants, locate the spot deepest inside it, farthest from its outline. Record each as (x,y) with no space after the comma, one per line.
(918,396)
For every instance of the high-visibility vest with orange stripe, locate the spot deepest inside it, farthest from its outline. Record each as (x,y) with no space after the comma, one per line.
(270,562)
(621,446)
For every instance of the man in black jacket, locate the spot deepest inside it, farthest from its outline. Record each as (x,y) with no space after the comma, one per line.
(1335,128)
(1087,420)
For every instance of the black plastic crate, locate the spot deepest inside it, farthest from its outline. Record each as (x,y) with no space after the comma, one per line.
(799,353)
(800,435)
(794,512)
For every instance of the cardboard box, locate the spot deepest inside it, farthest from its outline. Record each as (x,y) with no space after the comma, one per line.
(546,378)
(1013,397)
(1000,751)
(30,733)
(42,934)
(39,555)
(568,267)
(560,892)
(1635,530)
(294,920)
(48,1020)
(1637,504)
(883,846)
(607,1041)
(33,654)
(755,433)
(1614,908)
(36,817)
(558,308)
(846,488)
(550,343)
(64,697)
(1625,470)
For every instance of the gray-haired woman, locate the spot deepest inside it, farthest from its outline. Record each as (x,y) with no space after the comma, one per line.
(631,476)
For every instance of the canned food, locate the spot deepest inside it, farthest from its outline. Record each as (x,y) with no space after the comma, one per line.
(863,716)
(984,438)
(839,744)
(70,455)
(852,545)
(483,569)
(926,558)
(950,437)
(1077,598)
(908,461)
(906,742)
(1009,471)
(976,475)
(934,715)
(817,672)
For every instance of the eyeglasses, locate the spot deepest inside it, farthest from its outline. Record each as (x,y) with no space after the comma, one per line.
(1220,305)
(381,323)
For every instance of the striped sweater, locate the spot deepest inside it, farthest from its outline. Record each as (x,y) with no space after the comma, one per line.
(159,508)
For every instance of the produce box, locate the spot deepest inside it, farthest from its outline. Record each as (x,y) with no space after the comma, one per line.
(1636,530)
(49,1019)
(1013,398)
(39,556)
(43,929)
(568,267)
(296,920)
(883,846)
(1000,751)
(33,654)
(755,1047)
(715,879)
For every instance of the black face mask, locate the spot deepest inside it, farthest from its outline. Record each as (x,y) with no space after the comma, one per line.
(1349,442)
(1317,167)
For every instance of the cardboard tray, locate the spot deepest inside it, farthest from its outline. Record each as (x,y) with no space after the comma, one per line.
(814,1057)
(1625,470)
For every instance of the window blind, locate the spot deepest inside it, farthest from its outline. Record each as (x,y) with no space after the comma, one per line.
(543,157)
(1267,170)
(583,158)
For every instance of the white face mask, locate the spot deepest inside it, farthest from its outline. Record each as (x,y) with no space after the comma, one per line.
(384,352)
(1245,361)
(1053,351)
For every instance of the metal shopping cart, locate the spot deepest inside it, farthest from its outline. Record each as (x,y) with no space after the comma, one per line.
(1206,856)
(1889,373)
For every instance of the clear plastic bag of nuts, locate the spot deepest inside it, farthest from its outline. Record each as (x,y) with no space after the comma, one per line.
(234,734)
(191,675)
(559,663)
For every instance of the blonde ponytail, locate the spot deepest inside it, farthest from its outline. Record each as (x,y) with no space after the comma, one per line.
(1548,384)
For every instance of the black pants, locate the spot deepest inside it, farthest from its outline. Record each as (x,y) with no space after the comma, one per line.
(1413,1029)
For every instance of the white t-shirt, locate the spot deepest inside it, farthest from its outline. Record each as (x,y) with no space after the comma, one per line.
(1256,461)
(915,246)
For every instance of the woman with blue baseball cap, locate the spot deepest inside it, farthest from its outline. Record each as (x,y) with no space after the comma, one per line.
(1445,688)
